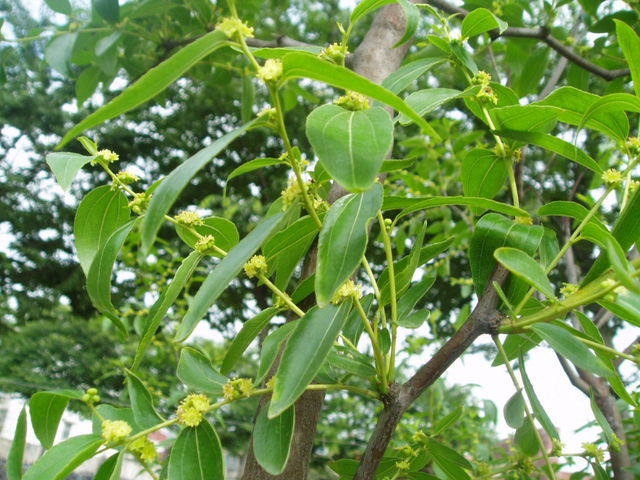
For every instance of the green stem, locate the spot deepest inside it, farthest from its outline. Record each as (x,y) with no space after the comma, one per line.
(604,348)
(392,289)
(348,342)
(377,353)
(95,411)
(281,294)
(514,379)
(512,182)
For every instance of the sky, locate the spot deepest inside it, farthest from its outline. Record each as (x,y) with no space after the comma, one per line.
(567,407)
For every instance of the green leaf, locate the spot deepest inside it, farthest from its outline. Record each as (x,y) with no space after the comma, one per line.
(525,267)
(538,410)
(601,473)
(526,118)
(250,330)
(272,439)
(573,349)
(117,468)
(552,144)
(549,247)
(107,468)
(614,102)
(392,165)
(479,21)
(285,249)
(168,191)
(569,209)
(60,6)
(196,371)
(58,53)
(100,214)
(250,167)
(151,83)
(415,320)
(602,420)
(626,307)
(223,274)
(352,361)
(106,43)
(64,458)
(15,460)
(367,6)
(630,45)
(305,288)
(412,15)
(197,454)
(108,9)
(407,74)
(351,145)
(575,104)
(281,52)
(65,166)
(425,101)
(162,305)
(46,410)
(413,296)
(305,353)
(271,348)
(527,440)
(536,67)
(450,461)
(492,232)
(464,58)
(343,240)
(448,421)
(306,66)
(483,175)
(87,83)
(411,205)
(99,277)
(142,403)
(224,231)
(385,340)
(514,410)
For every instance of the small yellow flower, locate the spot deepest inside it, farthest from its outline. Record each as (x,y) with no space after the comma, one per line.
(292,192)
(231,26)
(349,289)
(280,303)
(140,202)
(593,451)
(245,385)
(613,178)
(353,101)
(634,145)
(420,437)
(608,283)
(205,244)
(189,218)
(633,185)
(481,78)
(271,71)
(191,417)
(569,289)
(558,446)
(191,409)
(126,177)
(271,383)
(524,220)
(116,431)
(107,156)
(621,290)
(229,392)
(199,402)
(403,465)
(334,52)
(256,266)
(145,449)
(615,444)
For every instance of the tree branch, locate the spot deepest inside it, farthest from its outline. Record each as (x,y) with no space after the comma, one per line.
(575,380)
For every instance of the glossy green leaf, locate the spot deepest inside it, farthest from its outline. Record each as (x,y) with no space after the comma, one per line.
(107,468)
(630,44)
(602,420)
(64,458)
(448,421)
(464,58)
(571,348)
(385,340)
(425,101)
(526,118)
(352,361)
(152,83)
(223,274)
(46,409)
(549,248)
(367,6)
(65,166)
(601,473)
(514,410)
(281,52)
(272,439)
(106,43)
(407,74)
(162,305)
(449,461)
(224,231)
(87,83)
(306,66)
(441,43)
(415,320)
(538,410)
(393,165)
(271,348)
(196,371)
(525,267)
(99,277)
(526,439)
(479,21)
(552,144)
(343,240)
(108,9)
(58,53)
(412,15)
(483,175)
(569,209)
(286,248)
(250,167)
(620,265)
(60,6)
(536,67)
(250,330)
(305,288)
(197,454)
(575,104)
(627,307)
(614,102)
(351,145)
(100,214)
(305,353)
(15,460)
(414,294)
(142,403)
(492,232)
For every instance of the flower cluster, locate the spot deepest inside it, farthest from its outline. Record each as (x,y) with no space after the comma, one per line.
(271,71)
(271,383)
(569,289)
(349,289)
(334,52)
(192,408)
(403,465)
(91,396)
(145,449)
(139,203)
(280,303)
(205,244)
(292,192)
(486,92)
(236,388)
(231,26)
(189,218)
(126,177)
(106,156)
(558,446)
(615,444)
(116,431)
(613,178)
(594,451)
(524,220)
(420,437)
(353,101)
(256,266)
(634,145)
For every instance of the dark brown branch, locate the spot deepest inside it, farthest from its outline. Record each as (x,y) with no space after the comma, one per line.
(484,319)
